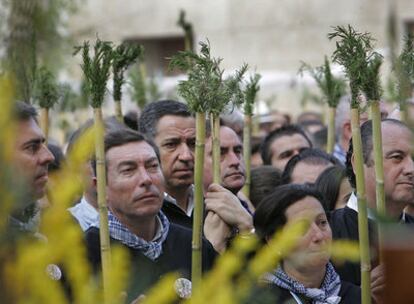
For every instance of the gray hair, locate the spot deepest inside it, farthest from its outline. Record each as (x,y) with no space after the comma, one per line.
(342,113)
(233,118)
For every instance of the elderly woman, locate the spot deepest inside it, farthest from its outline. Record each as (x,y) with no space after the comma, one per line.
(306,275)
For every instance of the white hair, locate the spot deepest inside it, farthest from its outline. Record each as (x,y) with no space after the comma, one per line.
(342,114)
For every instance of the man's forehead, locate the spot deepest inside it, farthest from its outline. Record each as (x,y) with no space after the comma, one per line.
(229,138)
(27,131)
(177,133)
(136,151)
(289,142)
(289,137)
(396,137)
(175,124)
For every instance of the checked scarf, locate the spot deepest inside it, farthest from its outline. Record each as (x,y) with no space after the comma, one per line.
(152,249)
(327,294)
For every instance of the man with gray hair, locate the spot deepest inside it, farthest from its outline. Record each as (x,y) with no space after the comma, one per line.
(397,139)
(233,120)
(343,129)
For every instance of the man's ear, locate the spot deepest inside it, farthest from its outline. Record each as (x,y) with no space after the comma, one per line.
(353,162)
(94,182)
(347,130)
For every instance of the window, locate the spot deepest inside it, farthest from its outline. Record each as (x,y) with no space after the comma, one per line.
(157,50)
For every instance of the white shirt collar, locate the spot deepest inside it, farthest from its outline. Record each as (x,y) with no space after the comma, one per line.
(85,214)
(190,202)
(353,204)
(158,233)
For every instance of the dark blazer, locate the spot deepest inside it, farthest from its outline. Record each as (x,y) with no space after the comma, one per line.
(344,225)
(176,215)
(176,256)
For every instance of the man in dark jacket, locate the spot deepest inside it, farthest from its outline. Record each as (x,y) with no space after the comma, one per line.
(135,195)
(227,212)
(31,158)
(171,126)
(397,147)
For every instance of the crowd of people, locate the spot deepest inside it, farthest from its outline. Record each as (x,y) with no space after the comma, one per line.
(150,194)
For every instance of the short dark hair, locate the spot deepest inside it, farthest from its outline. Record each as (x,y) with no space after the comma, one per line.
(131,120)
(270,215)
(23,111)
(319,138)
(57,152)
(287,130)
(154,111)
(367,146)
(309,115)
(264,179)
(121,136)
(308,156)
(256,144)
(329,184)
(308,123)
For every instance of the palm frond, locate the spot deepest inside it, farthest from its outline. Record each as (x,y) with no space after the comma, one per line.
(46,90)
(96,69)
(123,56)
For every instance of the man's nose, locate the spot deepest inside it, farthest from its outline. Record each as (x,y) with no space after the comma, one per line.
(144,178)
(233,159)
(46,157)
(409,167)
(185,153)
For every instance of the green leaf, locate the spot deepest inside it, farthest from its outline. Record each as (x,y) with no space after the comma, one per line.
(250,92)
(351,52)
(124,55)
(205,90)
(332,88)
(96,69)
(46,90)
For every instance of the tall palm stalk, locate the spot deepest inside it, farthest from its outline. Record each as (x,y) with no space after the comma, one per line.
(350,52)
(200,92)
(228,92)
(46,93)
(123,56)
(96,70)
(250,92)
(372,89)
(332,88)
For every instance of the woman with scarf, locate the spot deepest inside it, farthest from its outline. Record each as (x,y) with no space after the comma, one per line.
(306,275)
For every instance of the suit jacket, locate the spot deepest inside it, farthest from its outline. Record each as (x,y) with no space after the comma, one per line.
(144,272)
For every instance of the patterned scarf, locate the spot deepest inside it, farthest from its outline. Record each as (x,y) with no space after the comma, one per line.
(326,294)
(152,249)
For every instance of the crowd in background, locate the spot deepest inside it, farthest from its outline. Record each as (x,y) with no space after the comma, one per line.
(150,190)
